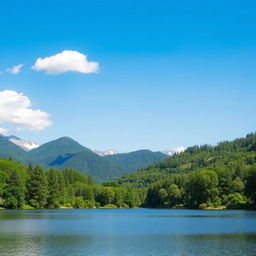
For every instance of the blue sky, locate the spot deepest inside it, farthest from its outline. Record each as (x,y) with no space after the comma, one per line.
(172,73)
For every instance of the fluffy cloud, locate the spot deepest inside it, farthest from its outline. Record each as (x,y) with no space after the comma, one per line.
(66,61)
(15,110)
(15,69)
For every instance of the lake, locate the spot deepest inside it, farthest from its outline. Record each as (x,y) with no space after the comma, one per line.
(127,232)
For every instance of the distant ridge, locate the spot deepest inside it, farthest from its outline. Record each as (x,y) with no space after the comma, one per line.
(106,152)
(65,152)
(135,160)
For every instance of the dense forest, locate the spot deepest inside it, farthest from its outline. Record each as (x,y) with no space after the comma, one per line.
(203,176)
(65,153)
(221,176)
(31,187)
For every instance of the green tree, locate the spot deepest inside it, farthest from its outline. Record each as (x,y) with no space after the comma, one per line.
(174,195)
(201,187)
(90,180)
(106,196)
(84,191)
(15,191)
(163,197)
(152,198)
(119,197)
(78,202)
(250,184)
(56,186)
(3,183)
(37,188)
(235,201)
(236,186)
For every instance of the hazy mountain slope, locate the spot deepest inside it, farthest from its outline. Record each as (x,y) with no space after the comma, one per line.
(9,149)
(89,163)
(50,150)
(25,144)
(133,161)
(67,153)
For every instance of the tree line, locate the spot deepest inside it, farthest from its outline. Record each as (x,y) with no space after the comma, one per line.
(203,176)
(31,187)
(221,176)
(204,188)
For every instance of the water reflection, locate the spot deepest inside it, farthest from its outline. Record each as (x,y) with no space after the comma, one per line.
(127,232)
(20,244)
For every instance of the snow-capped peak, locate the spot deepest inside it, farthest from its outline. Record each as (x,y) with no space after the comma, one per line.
(106,152)
(24,144)
(173,151)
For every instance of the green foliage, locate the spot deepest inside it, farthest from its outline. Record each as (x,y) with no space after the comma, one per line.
(201,177)
(9,149)
(131,162)
(105,196)
(203,206)
(56,189)
(78,202)
(14,193)
(250,184)
(3,183)
(204,177)
(37,188)
(56,184)
(201,187)
(236,185)
(66,153)
(109,206)
(236,201)
(174,195)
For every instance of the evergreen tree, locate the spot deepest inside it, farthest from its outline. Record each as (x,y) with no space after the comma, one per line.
(15,192)
(37,188)
(55,187)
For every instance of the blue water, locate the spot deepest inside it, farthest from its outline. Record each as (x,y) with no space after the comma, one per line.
(127,232)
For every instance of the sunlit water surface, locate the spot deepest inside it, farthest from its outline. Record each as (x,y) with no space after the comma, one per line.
(127,232)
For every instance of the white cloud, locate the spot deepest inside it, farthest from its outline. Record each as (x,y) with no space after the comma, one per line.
(15,110)
(15,69)
(66,61)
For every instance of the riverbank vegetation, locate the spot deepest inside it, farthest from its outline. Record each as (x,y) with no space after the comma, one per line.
(31,187)
(201,177)
(205,177)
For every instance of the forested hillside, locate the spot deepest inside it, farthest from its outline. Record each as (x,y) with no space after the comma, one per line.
(66,153)
(23,187)
(131,162)
(202,176)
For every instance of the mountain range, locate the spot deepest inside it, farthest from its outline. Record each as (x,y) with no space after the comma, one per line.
(67,153)
(29,145)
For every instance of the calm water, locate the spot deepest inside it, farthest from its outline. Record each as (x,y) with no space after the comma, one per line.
(127,232)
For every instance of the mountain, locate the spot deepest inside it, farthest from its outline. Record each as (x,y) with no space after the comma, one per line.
(10,137)
(89,163)
(106,152)
(24,144)
(133,161)
(59,147)
(227,158)
(171,152)
(67,153)
(9,149)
